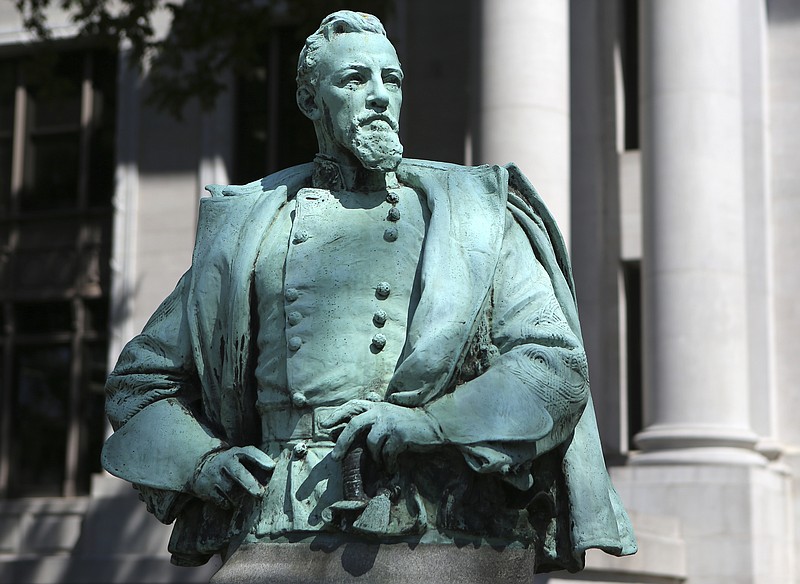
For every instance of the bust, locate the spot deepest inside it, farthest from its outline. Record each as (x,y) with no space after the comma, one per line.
(368,348)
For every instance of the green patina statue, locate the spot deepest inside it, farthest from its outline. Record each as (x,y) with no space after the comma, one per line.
(368,348)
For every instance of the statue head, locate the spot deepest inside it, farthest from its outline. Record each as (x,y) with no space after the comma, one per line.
(349,84)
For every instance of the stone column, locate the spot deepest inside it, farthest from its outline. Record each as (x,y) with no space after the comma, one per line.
(595,214)
(694,280)
(524,94)
(784,58)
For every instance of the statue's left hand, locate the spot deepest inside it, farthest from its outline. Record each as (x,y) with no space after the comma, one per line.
(390,430)
(225,473)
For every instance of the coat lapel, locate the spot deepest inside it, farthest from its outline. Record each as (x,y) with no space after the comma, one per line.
(461,251)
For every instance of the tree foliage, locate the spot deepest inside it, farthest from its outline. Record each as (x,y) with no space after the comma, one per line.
(205,40)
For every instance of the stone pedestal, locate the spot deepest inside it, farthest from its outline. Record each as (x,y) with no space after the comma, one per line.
(305,563)
(735,521)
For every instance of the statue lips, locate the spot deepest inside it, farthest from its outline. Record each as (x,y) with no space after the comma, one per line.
(369,120)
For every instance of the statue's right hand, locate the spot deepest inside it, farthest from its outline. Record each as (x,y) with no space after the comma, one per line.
(221,474)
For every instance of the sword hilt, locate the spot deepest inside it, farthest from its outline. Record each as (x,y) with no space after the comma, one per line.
(353,482)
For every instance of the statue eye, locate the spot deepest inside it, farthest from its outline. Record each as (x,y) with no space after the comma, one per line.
(353,78)
(393,80)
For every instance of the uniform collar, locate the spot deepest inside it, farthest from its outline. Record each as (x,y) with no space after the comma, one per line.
(328,175)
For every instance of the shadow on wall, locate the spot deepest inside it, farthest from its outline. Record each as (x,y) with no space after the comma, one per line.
(116,541)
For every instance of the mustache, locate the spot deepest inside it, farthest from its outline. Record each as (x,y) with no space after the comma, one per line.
(366,120)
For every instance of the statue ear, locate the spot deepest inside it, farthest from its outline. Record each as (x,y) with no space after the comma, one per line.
(306,101)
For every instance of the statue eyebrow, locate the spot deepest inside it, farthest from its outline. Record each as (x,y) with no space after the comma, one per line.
(356,66)
(362,67)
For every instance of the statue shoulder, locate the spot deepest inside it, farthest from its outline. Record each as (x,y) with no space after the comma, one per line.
(485,178)
(420,166)
(229,207)
(292,178)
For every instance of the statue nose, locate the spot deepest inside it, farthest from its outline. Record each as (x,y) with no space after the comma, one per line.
(378,97)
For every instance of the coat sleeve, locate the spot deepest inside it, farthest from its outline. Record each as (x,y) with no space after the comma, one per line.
(535,388)
(153,403)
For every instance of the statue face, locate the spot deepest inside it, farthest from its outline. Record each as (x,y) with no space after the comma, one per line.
(359,96)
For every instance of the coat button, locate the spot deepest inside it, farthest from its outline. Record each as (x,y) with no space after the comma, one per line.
(299,400)
(294,317)
(291,294)
(394,214)
(379,341)
(390,234)
(300,236)
(300,450)
(392,197)
(382,290)
(379,318)
(294,343)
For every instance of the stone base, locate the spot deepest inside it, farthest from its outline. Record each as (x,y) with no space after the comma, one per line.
(735,521)
(302,563)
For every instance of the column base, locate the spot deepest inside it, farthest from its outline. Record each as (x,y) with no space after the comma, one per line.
(770,448)
(667,444)
(735,521)
(303,563)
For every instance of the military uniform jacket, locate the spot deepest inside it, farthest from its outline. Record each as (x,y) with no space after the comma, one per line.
(511,396)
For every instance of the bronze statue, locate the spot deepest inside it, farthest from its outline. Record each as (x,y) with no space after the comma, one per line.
(368,348)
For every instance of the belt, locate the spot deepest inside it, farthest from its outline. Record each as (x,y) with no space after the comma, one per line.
(287,425)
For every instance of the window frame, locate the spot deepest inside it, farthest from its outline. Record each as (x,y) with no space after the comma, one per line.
(91,226)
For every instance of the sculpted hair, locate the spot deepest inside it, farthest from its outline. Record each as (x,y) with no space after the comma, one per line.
(344,21)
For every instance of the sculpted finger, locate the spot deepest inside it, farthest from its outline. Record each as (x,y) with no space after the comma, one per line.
(259,458)
(338,416)
(214,491)
(242,477)
(220,489)
(393,448)
(220,497)
(344,413)
(333,418)
(351,432)
(376,441)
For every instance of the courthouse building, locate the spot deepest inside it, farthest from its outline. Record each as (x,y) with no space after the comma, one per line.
(663,134)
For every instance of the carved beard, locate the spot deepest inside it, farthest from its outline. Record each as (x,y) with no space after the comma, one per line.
(376,145)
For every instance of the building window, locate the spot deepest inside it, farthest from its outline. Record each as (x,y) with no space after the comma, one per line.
(272,133)
(57,114)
